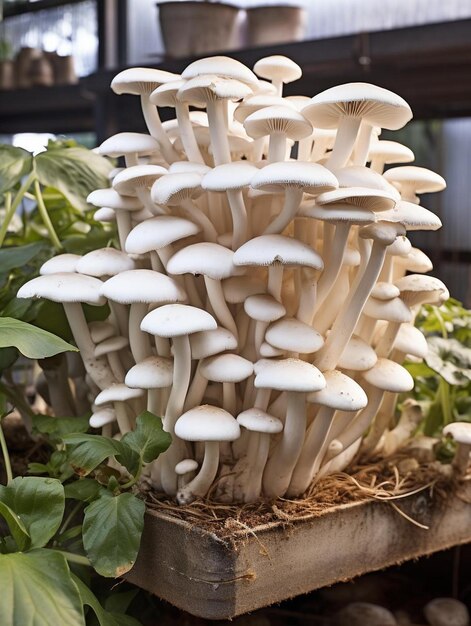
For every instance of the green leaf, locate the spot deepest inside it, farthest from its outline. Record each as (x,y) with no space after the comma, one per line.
(60,426)
(149,438)
(74,172)
(30,341)
(112,529)
(89,451)
(37,590)
(14,164)
(104,617)
(15,526)
(7,357)
(18,256)
(84,489)
(39,503)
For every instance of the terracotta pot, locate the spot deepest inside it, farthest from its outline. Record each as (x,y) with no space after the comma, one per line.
(192,28)
(41,72)
(23,62)
(7,75)
(64,69)
(268,25)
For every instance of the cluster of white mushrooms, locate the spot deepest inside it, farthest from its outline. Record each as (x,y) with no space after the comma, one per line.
(260,301)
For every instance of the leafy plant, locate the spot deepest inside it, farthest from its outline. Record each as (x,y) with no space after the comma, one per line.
(443,381)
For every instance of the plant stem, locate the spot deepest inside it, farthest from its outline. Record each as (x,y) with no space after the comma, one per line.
(133,480)
(70,517)
(11,210)
(6,456)
(45,216)
(444,391)
(75,558)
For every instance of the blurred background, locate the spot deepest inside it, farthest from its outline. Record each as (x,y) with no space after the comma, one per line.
(57,58)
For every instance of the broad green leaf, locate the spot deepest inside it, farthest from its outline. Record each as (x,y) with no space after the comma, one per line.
(104,617)
(18,256)
(450,359)
(84,489)
(15,526)
(33,342)
(37,590)
(14,164)
(112,529)
(60,426)
(89,451)
(148,439)
(17,308)
(75,172)
(39,503)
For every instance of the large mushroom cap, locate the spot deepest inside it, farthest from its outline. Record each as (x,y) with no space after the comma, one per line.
(209,259)
(207,423)
(221,66)
(229,176)
(208,342)
(420,179)
(373,104)
(142,286)
(258,421)
(341,393)
(389,376)
(104,262)
(312,178)
(264,308)
(140,80)
(460,431)
(277,119)
(269,249)
(117,393)
(158,232)
(278,68)
(391,152)
(289,375)
(363,197)
(294,336)
(154,372)
(128,143)
(226,368)
(357,355)
(113,200)
(175,320)
(64,287)
(419,289)
(137,177)
(61,263)
(412,216)
(172,189)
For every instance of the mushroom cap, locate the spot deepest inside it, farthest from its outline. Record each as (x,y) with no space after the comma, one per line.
(258,421)
(289,375)
(267,351)
(357,355)
(410,340)
(419,289)
(393,310)
(421,179)
(154,372)
(390,152)
(105,214)
(176,320)
(253,103)
(140,80)
(374,105)
(113,200)
(226,368)
(136,177)
(117,393)
(360,176)
(363,197)
(61,263)
(128,143)
(186,466)
(64,287)
(111,344)
(364,614)
(294,336)
(269,249)
(101,417)
(312,178)
(99,331)
(104,262)
(400,247)
(202,89)
(389,376)
(412,216)
(188,166)
(278,68)
(166,94)
(382,232)
(337,213)
(207,423)
(135,286)
(415,261)
(277,119)
(385,291)
(264,308)
(158,232)
(221,66)
(207,258)
(341,393)
(446,612)
(235,175)
(460,431)
(238,288)
(209,342)
(172,189)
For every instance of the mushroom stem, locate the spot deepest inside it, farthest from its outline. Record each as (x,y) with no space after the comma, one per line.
(122,417)
(333,263)
(254,485)
(275,280)
(219,306)
(386,344)
(138,340)
(218,132)
(192,211)
(363,418)
(293,197)
(461,459)
(97,368)
(277,147)
(187,135)
(124,224)
(201,483)
(344,141)
(239,217)
(362,147)
(277,474)
(308,297)
(196,390)
(154,125)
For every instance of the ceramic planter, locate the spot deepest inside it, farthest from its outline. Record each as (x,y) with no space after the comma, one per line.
(275,24)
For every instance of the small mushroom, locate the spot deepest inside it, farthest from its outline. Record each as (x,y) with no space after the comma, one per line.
(461,433)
